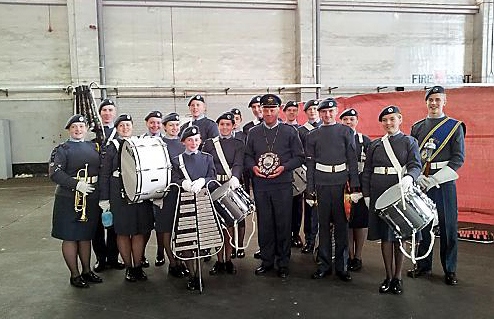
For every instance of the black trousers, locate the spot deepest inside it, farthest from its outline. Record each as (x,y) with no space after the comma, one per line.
(274,211)
(297,206)
(332,217)
(105,250)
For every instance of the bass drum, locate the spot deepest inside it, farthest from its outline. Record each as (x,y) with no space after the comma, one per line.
(419,210)
(145,168)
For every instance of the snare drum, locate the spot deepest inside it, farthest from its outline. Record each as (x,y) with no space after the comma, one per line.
(235,203)
(420,210)
(145,168)
(299,180)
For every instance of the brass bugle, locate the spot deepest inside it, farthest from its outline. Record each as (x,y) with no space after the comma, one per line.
(80,198)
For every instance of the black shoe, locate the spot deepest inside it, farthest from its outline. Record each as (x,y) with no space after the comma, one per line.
(257,254)
(418,272)
(140,274)
(230,268)
(241,253)
(218,267)
(160,261)
(297,241)
(79,282)
(344,276)
(118,265)
(100,266)
(144,262)
(396,286)
(176,271)
(194,283)
(234,254)
(308,248)
(385,286)
(319,274)
(450,279)
(355,264)
(283,272)
(92,277)
(129,274)
(262,269)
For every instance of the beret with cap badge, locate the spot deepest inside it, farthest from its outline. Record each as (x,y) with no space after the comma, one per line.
(310,103)
(290,104)
(170,117)
(105,102)
(196,97)
(189,131)
(151,114)
(327,104)
(77,118)
(226,116)
(121,118)
(433,90)
(255,99)
(389,110)
(348,112)
(236,111)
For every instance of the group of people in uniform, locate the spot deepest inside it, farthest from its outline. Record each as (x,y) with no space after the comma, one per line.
(340,163)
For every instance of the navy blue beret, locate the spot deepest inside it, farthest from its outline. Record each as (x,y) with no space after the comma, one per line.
(170,117)
(389,110)
(153,114)
(226,116)
(310,103)
(77,118)
(433,90)
(270,100)
(255,99)
(123,117)
(290,104)
(196,97)
(348,112)
(105,102)
(236,111)
(189,131)
(327,104)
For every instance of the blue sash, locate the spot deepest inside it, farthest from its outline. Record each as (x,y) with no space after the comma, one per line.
(440,134)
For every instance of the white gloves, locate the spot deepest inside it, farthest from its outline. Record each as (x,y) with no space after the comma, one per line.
(406,182)
(158,202)
(187,185)
(234,183)
(84,187)
(310,202)
(355,197)
(426,182)
(367,202)
(197,185)
(104,204)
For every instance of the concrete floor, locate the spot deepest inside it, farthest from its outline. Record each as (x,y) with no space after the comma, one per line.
(34,280)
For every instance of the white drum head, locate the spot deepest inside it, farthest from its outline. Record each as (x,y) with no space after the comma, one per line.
(389,197)
(128,166)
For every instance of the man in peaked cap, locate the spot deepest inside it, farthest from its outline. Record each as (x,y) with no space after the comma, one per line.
(359,213)
(273,151)
(197,108)
(329,167)
(446,157)
(310,214)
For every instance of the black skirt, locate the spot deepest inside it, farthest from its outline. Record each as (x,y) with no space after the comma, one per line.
(65,222)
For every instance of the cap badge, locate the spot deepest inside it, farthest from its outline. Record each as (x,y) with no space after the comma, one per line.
(316,102)
(330,103)
(390,109)
(194,131)
(352,112)
(81,119)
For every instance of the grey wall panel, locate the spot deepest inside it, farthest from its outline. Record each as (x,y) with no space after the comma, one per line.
(382,48)
(35,127)
(186,47)
(29,53)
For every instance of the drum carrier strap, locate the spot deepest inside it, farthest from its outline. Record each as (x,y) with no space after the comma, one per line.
(182,167)
(221,156)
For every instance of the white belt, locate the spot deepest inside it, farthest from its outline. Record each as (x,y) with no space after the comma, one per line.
(360,167)
(438,165)
(385,170)
(90,179)
(331,168)
(116,174)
